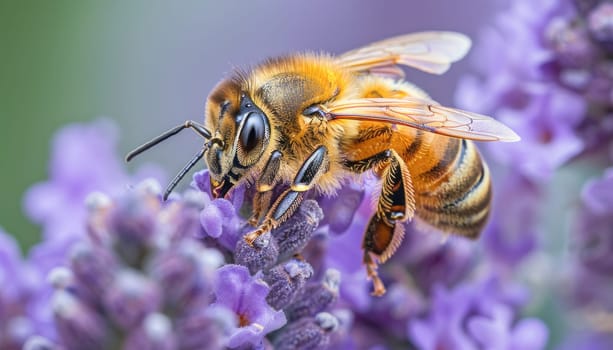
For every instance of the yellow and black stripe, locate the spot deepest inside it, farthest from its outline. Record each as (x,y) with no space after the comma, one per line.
(454,195)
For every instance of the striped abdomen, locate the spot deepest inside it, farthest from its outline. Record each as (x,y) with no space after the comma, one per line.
(451,182)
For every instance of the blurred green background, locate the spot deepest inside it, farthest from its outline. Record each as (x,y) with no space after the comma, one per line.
(149,65)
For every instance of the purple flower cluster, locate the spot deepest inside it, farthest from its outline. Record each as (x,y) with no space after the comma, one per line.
(591,277)
(436,286)
(83,160)
(147,259)
(137,279)
(141,279)
(144,273)
(477,316)
(545,69)
(125,269)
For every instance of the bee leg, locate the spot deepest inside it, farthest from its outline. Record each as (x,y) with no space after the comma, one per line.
(290,199)
(362,165)
(380,236)
(261,200)
(396,204)
(264,187)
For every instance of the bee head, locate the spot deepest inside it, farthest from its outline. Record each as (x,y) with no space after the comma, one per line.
(241,132)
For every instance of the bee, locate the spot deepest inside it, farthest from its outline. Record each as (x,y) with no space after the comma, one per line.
(309,122)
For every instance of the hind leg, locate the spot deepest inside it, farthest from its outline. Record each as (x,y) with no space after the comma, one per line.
(396,204)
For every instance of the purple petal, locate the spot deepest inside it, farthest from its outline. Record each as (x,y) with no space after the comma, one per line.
(225,207)
(202,181)
(229,285)
(211,219)
(529,334)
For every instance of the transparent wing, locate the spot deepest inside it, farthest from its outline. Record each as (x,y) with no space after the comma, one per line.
(432,52)
(422,114)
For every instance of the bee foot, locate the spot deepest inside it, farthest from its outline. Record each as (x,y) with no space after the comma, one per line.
(371,271)
(252,236)
(253,221)
(378,287)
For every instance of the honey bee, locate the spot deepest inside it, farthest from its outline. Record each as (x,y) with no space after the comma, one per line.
(309,121)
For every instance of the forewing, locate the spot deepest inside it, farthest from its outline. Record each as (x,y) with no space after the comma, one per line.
(422,114)
(432,52)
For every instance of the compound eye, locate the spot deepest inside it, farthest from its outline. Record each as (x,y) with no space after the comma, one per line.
(253,132)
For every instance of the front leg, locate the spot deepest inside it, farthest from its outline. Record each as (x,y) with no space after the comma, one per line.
(290,199)
(264,186)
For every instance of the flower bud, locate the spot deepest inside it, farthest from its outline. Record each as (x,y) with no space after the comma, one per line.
(186,273)
(600,24)
(261,256)
(206,329)
(286,281)
(307,333)
(296,232)
(16,330)
(93,269)
(570,43)
(130,297)
(133,224)
(316,297)
(60,278)
(78,325)
(155,333)
(39,343)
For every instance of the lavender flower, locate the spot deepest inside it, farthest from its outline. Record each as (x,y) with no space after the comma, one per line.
(340,208)
(544,115)
(433,258)
(78,325)
(238,291)
(316,297)
(600,26)
(123,283)
(344,251)
(551,80)
(286,282)
(593,247)
(308,333)
(205,328)
(476,316)
(17,279)
(296,233)
(262,256)
(544,68)
(155,332)
(83,160)
(598,194)
(509,241)
(219,218)
(133,273)
(39,343)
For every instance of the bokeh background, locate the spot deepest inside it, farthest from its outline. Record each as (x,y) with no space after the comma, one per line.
(150,65)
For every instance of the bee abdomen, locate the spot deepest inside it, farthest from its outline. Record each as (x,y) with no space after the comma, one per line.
(460,200)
